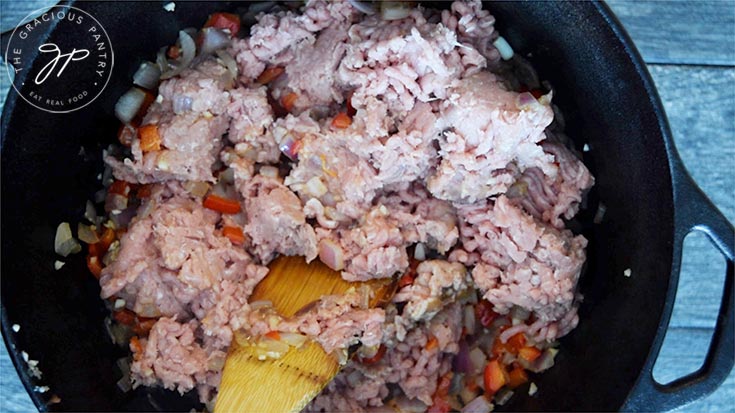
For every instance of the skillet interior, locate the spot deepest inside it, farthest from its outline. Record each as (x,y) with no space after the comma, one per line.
(598,86)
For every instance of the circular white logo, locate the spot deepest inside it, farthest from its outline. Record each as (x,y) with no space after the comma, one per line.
(67,70)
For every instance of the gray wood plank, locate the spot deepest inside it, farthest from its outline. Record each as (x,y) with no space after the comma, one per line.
(700,103)
(680,32)
(13,396)
(680,356)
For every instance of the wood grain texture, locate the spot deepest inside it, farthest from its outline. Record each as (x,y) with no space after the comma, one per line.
(253,385)
(699,103)
(680,32)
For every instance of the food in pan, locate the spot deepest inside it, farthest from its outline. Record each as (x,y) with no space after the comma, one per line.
(386,141)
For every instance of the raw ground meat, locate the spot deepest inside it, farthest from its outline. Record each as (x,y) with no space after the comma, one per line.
(523,262)
(191,133)
(439,152)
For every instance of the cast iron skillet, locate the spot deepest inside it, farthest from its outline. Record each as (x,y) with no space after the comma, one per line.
(610,103)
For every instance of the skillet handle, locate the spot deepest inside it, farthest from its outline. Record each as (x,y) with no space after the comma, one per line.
(693,211)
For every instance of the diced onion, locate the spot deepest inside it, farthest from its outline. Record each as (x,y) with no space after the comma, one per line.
(315,187)
(64,243)
(129,104)
(124,384)
(227,176)
(504,48)
(161,59)
(462,362)
(87,234)
(362,6)
(479,405)
(229,62)
(331,254)
(394,10)
(196,188)
(90,213)
(469,321)
(600,214)
(419,252)
(293,339)
(478,359)
(503,396)
(290,148)
(269,348)
(216,362)
(188,51)
(213,39)
(255,305)
(532,389)
(525,100)
(269,171)
(519,313)
(147,75)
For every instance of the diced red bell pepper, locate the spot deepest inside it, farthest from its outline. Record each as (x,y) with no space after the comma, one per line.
(223,21)
(494,377)
(375,358)
(223,205)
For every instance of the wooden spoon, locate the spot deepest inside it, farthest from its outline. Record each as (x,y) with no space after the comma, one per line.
(290,382)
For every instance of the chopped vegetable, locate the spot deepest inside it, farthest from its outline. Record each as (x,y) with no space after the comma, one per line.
(108,236)
(293,339)
(419,252)
(144,191)
(495,377)
(188,51)
(516,377)
(64,243)
(120,188)
(150,139)
(227,21)
(394,10)
(58,264)
(376,358)
(273,335)
(440,405)
(529,354)
(516,342)
(288,101)
(432,343)
(136,348)
(173,52)
(212,39)
(223,205)
(87,233)
(484,313)
(126,317)
(270,74)
(342,121)
(479,404)
(290,148)
(197,188)
(94,265)
(147,75)
(143,325)
(129,104)
(504,48)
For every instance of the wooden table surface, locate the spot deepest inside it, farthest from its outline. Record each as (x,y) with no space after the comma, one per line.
(690,51)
